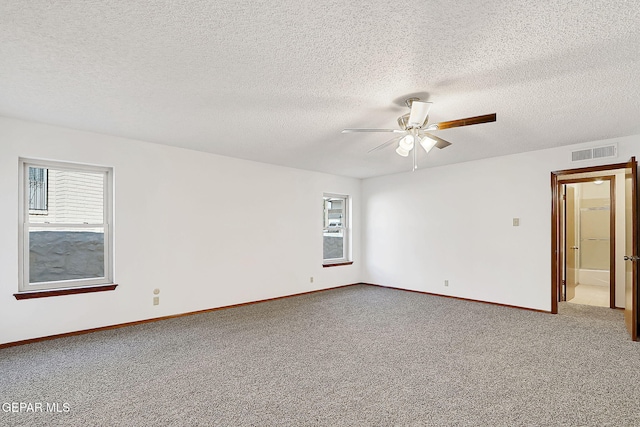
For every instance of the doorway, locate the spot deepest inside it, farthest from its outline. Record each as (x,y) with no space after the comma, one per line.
(623,256)
(588,230)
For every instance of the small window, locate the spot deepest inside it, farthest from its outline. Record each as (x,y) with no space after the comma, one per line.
(65,225)
(335,229)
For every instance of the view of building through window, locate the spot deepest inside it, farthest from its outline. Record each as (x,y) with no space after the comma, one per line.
(37,189)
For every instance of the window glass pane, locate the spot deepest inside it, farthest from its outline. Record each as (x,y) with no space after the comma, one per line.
(333,246)
(71,197)
(333,212)
(37,189)
(65,254)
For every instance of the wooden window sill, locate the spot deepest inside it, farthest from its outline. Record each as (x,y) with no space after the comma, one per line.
(337,264)
(65,291)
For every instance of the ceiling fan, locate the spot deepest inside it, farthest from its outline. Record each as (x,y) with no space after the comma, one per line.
(415,130)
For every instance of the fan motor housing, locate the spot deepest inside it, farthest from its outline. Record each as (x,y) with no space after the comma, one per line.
(403,121)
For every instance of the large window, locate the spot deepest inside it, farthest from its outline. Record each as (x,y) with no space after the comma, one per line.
(65,225)
(335,230)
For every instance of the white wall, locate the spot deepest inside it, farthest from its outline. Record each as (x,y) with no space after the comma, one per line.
(207,230)
(455,223)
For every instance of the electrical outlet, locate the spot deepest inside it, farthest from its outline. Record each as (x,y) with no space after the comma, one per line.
(446,283)
(156,300)
(311,279)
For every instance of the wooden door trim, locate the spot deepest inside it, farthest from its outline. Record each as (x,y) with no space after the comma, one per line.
(556,240)
(633,327)
(612,242)
(600,168)
(634,290)
(563,242)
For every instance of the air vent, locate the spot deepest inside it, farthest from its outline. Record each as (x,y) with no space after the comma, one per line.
(595,153)
(608,151)
(577,156)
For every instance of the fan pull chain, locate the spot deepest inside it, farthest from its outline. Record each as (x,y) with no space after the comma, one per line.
(415,151)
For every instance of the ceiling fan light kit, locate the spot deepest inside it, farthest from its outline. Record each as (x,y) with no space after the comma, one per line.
(406,142)
(414,128)
(402,152)
(428,143)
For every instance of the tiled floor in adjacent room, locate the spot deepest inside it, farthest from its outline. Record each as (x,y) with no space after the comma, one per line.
(591,295)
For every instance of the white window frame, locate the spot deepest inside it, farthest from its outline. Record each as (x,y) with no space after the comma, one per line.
(24,226)
(345,228)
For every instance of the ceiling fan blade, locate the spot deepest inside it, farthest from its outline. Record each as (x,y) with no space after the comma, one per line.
(384,145)
(440,143)
(487,118)
(372,130)
(419,112)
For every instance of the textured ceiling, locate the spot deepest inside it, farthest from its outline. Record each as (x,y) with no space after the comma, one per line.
(276,82)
